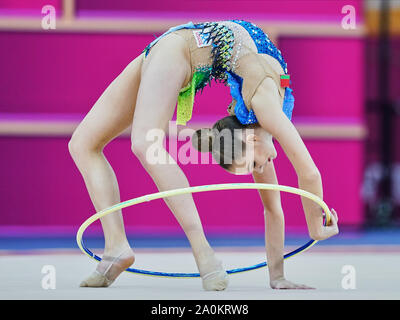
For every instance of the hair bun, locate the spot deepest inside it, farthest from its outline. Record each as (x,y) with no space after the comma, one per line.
(202,139)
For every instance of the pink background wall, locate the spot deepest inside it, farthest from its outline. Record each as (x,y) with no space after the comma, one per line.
(63,74)
(303,9)
(327,73)
(27,7)
(310,9)
(41,186)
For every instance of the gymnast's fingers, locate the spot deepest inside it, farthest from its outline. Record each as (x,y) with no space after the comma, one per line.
(335,215)
(334,218)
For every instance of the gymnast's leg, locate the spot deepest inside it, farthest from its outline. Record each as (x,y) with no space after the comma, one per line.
(164,73)
(110,115)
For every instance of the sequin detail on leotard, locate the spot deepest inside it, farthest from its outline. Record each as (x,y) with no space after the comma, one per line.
(200,79)
(262,42)
(227,49)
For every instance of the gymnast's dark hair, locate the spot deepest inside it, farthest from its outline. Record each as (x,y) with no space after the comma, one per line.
(221,140)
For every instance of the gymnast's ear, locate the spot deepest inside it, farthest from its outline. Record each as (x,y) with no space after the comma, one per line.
(251,138)
(202,139)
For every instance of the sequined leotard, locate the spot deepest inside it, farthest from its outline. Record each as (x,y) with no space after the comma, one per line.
(231,58)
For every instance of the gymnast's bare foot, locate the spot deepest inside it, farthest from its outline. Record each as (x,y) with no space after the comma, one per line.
(110,267)
(213,275)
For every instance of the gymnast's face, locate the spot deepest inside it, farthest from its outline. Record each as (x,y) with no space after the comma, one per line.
(259,151)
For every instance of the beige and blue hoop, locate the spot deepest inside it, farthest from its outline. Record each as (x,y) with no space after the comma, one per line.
(213,187)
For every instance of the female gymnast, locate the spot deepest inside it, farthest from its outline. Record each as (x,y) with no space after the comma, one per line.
(172,69)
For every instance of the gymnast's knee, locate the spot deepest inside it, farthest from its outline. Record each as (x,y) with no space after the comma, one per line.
(139,146)
(79,146)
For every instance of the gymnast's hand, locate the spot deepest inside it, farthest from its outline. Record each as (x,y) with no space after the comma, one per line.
(282,283)
(332,228)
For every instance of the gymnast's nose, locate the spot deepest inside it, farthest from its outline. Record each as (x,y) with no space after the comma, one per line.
(273,155)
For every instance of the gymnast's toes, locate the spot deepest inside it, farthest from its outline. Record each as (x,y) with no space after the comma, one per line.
(96,280)
(109,269)
(215,281)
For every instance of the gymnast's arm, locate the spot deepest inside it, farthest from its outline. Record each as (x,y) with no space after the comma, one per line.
(268,110)
(274,222)
(274,230)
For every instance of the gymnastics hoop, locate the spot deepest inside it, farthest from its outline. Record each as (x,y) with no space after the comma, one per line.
(212,187)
